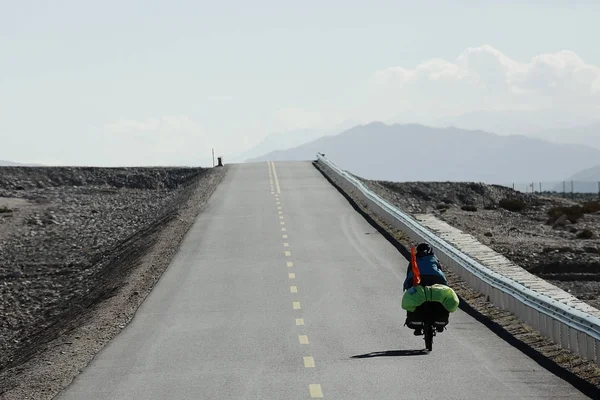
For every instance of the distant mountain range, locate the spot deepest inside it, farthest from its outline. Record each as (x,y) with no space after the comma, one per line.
(588,135)
(415,152)
(520,122)
(587,175)
(288,140)
(14,164)
(280,141)
(7,163)
(585,181)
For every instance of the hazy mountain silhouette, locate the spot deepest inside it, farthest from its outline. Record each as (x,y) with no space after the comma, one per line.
(585,181)
(516,122)
(590,174)
(14,164)
(419,153)
(288,140)
(280,141)
(587,135)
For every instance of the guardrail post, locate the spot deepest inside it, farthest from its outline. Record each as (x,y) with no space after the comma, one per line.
(543,325)
(573,342)
(556,331)
(583,346)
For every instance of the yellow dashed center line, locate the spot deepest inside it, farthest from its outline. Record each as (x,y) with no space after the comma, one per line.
(270,173)
(276,178)
(315,390)
(309,362)
(303,339)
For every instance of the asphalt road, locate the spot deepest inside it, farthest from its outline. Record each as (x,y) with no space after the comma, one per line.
(282,291)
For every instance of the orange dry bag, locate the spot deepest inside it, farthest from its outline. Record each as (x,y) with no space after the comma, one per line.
(415,267)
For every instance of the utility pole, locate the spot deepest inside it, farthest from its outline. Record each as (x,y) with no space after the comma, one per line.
(213,155)
(572,191)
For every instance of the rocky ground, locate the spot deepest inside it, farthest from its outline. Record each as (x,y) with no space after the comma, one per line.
(555,238)
(69,239)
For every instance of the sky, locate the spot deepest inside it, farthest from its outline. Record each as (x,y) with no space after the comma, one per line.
(163,82)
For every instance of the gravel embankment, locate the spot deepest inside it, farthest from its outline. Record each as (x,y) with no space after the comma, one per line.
(70,240)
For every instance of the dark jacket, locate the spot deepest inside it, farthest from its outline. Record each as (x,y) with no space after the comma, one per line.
(430,271)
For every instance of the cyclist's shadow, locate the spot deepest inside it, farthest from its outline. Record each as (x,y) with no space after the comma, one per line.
(393,353)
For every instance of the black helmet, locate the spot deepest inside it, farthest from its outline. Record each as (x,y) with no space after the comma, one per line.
(424,249)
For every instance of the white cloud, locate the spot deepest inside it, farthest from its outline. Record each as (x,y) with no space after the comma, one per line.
(435,69)
(484,77)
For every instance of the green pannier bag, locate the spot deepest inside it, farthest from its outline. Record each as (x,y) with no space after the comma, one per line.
(416,296)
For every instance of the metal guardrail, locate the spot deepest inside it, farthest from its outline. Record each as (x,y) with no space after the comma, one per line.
(568,327)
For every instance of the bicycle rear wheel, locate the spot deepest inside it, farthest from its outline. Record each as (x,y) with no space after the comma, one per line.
(428,333)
